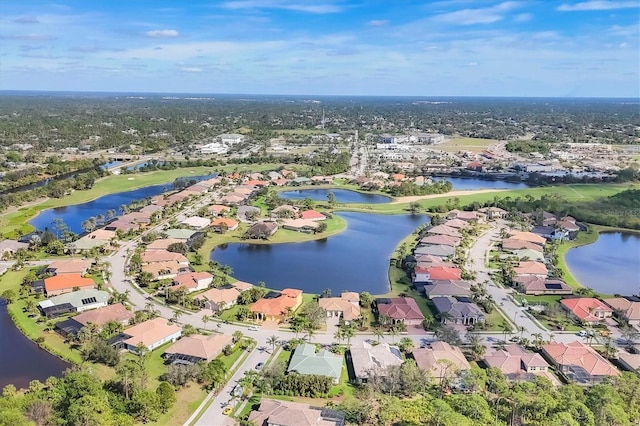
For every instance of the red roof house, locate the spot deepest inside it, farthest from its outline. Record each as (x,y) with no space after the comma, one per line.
(312,215)
(587,309)
(400,309)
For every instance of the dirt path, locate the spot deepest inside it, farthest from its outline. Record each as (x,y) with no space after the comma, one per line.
(413,198)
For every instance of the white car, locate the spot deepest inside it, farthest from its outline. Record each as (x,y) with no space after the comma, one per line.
(254,328)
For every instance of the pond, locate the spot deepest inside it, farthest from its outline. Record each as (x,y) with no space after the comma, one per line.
(611,265)
(75,214)
(356,259)
(462,183)
(21,360)
(342,196)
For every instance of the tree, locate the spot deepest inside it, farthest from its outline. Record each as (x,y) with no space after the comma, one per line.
(181,248)
(405,344)
(9,295)
(176,315)
(308,203)
(378,332)
(331,199)
(273,342)
(393,332)
(414,207)
(166,396)
(237,335)
(205,320)
(366,299)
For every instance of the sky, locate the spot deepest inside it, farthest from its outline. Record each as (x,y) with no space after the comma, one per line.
(540,48)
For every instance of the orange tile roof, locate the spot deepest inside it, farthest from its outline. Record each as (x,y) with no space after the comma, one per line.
(527,236)
(311,215)
(578,354)
(150,332)
(531,268)
(190,279)
(223,220)
(277,306)
(67,281)
(582,307)
(197,345)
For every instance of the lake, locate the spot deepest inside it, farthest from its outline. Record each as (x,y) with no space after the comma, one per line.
(21,360)
(75,214)
(342,196)
(462,184)
(610,265)
(356,259)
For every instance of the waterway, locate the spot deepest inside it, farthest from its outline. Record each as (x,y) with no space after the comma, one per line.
(342,196)
(356,259)
(75,214)
(611,265)
(460,183)
(21,360)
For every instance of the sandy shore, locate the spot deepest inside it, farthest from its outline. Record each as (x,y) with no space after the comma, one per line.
(412,198)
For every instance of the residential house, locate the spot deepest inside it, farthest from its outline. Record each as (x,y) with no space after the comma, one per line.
(321,180)
(69,266)
(285,210)
(196,222)
(256,183)
(440,360)
(569,225)
(440,240)
(98,317)
(587,310)
(196,348)
(193,281)
(517,363)
(399,309)
(578,362)
(233,199)
(219,210)
(76,301)
(512,244)
(300,225)
(493,213)
(262,230)
(151,333)
(123,225)
(431,273)
(368,360)
(463,215)
(438,251)
(550,233)
(165,270)
(347,306)
(458,310)
(221,298)
(630,362)
(66,283)
(9,247)
(305,360)
(529,254)
(245,212)
(223,223)
(531,268)
(444,230)
(457,224)
(626,308)
(274,412)
(527,236)
(299,181)
(97,238)
(312,215)
(537,285)
(180,234)
(162,244)
(276,308)
(443,288)
(155,256)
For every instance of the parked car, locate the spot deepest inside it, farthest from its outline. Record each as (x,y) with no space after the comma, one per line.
(254,328)
(259,365)
(227,410)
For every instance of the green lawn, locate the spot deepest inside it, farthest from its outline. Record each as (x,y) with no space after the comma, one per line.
(464,144)
(153,365)
(231,359)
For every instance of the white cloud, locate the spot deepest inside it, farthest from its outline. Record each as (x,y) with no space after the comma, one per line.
(523,17)
(485,15)
(191,69)
(598,5)
(378,22)
(300,6)
(162,33)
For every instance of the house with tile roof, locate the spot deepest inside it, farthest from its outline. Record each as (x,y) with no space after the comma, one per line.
(439,359)
(443,288)
(221,298)
(438,251)
(305,360)
(517,363)
(262,230)
(367,359)
(431,273)
(580,363)
(537,285)
(66,283)
(528,267)
(512,244)
(444,230)
(587,310)
(9,247)
(627,309)
(98,317)
(165,270)
(347,306)
(440,240)
(276,308)
(312,215)
(162,244)
(192,349)
(527,236)
(458,310)
(457,224)
(196,222)
(223,223)
(464,215)
(180,233)
(300,225)
(193,281)
(399,309)
(274,412)
(151,333)
(219,209)
(629,362)
(528,254)
(154,256)
(69,266)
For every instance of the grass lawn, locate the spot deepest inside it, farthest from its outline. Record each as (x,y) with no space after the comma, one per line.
(188,399)
(543,298)
(284,356)
(495,319)
(231,359)
(154,364)
(344,388)
(464,144)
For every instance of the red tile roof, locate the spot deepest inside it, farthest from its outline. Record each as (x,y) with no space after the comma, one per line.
(583,307)
(400,308)
(312,215)
(67,281)
(578,354)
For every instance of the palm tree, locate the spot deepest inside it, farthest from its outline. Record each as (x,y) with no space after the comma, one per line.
(176,315)
(378,333)
(205,320)
(537,340)
(393,332)
(338,335)
(310,333)
(273,341)
(348,332)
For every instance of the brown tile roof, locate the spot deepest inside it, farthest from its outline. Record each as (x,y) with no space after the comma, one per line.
(218,208)
(197,345)
(444,230)
(163,268)
(154,256)
(350,310)
(284,413)
(218,295)
(400,308)
(162,244)
(456,223)
(514,359)
(630,309)
(428,358)
(70,266)
(531,268)
(229,222)
(578,354)
(190,279)
(443,240)
(66,281)
(150,332)
(528,236)
(117,312)
(513,244)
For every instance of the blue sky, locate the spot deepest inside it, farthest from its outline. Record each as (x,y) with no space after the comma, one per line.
(351,47)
